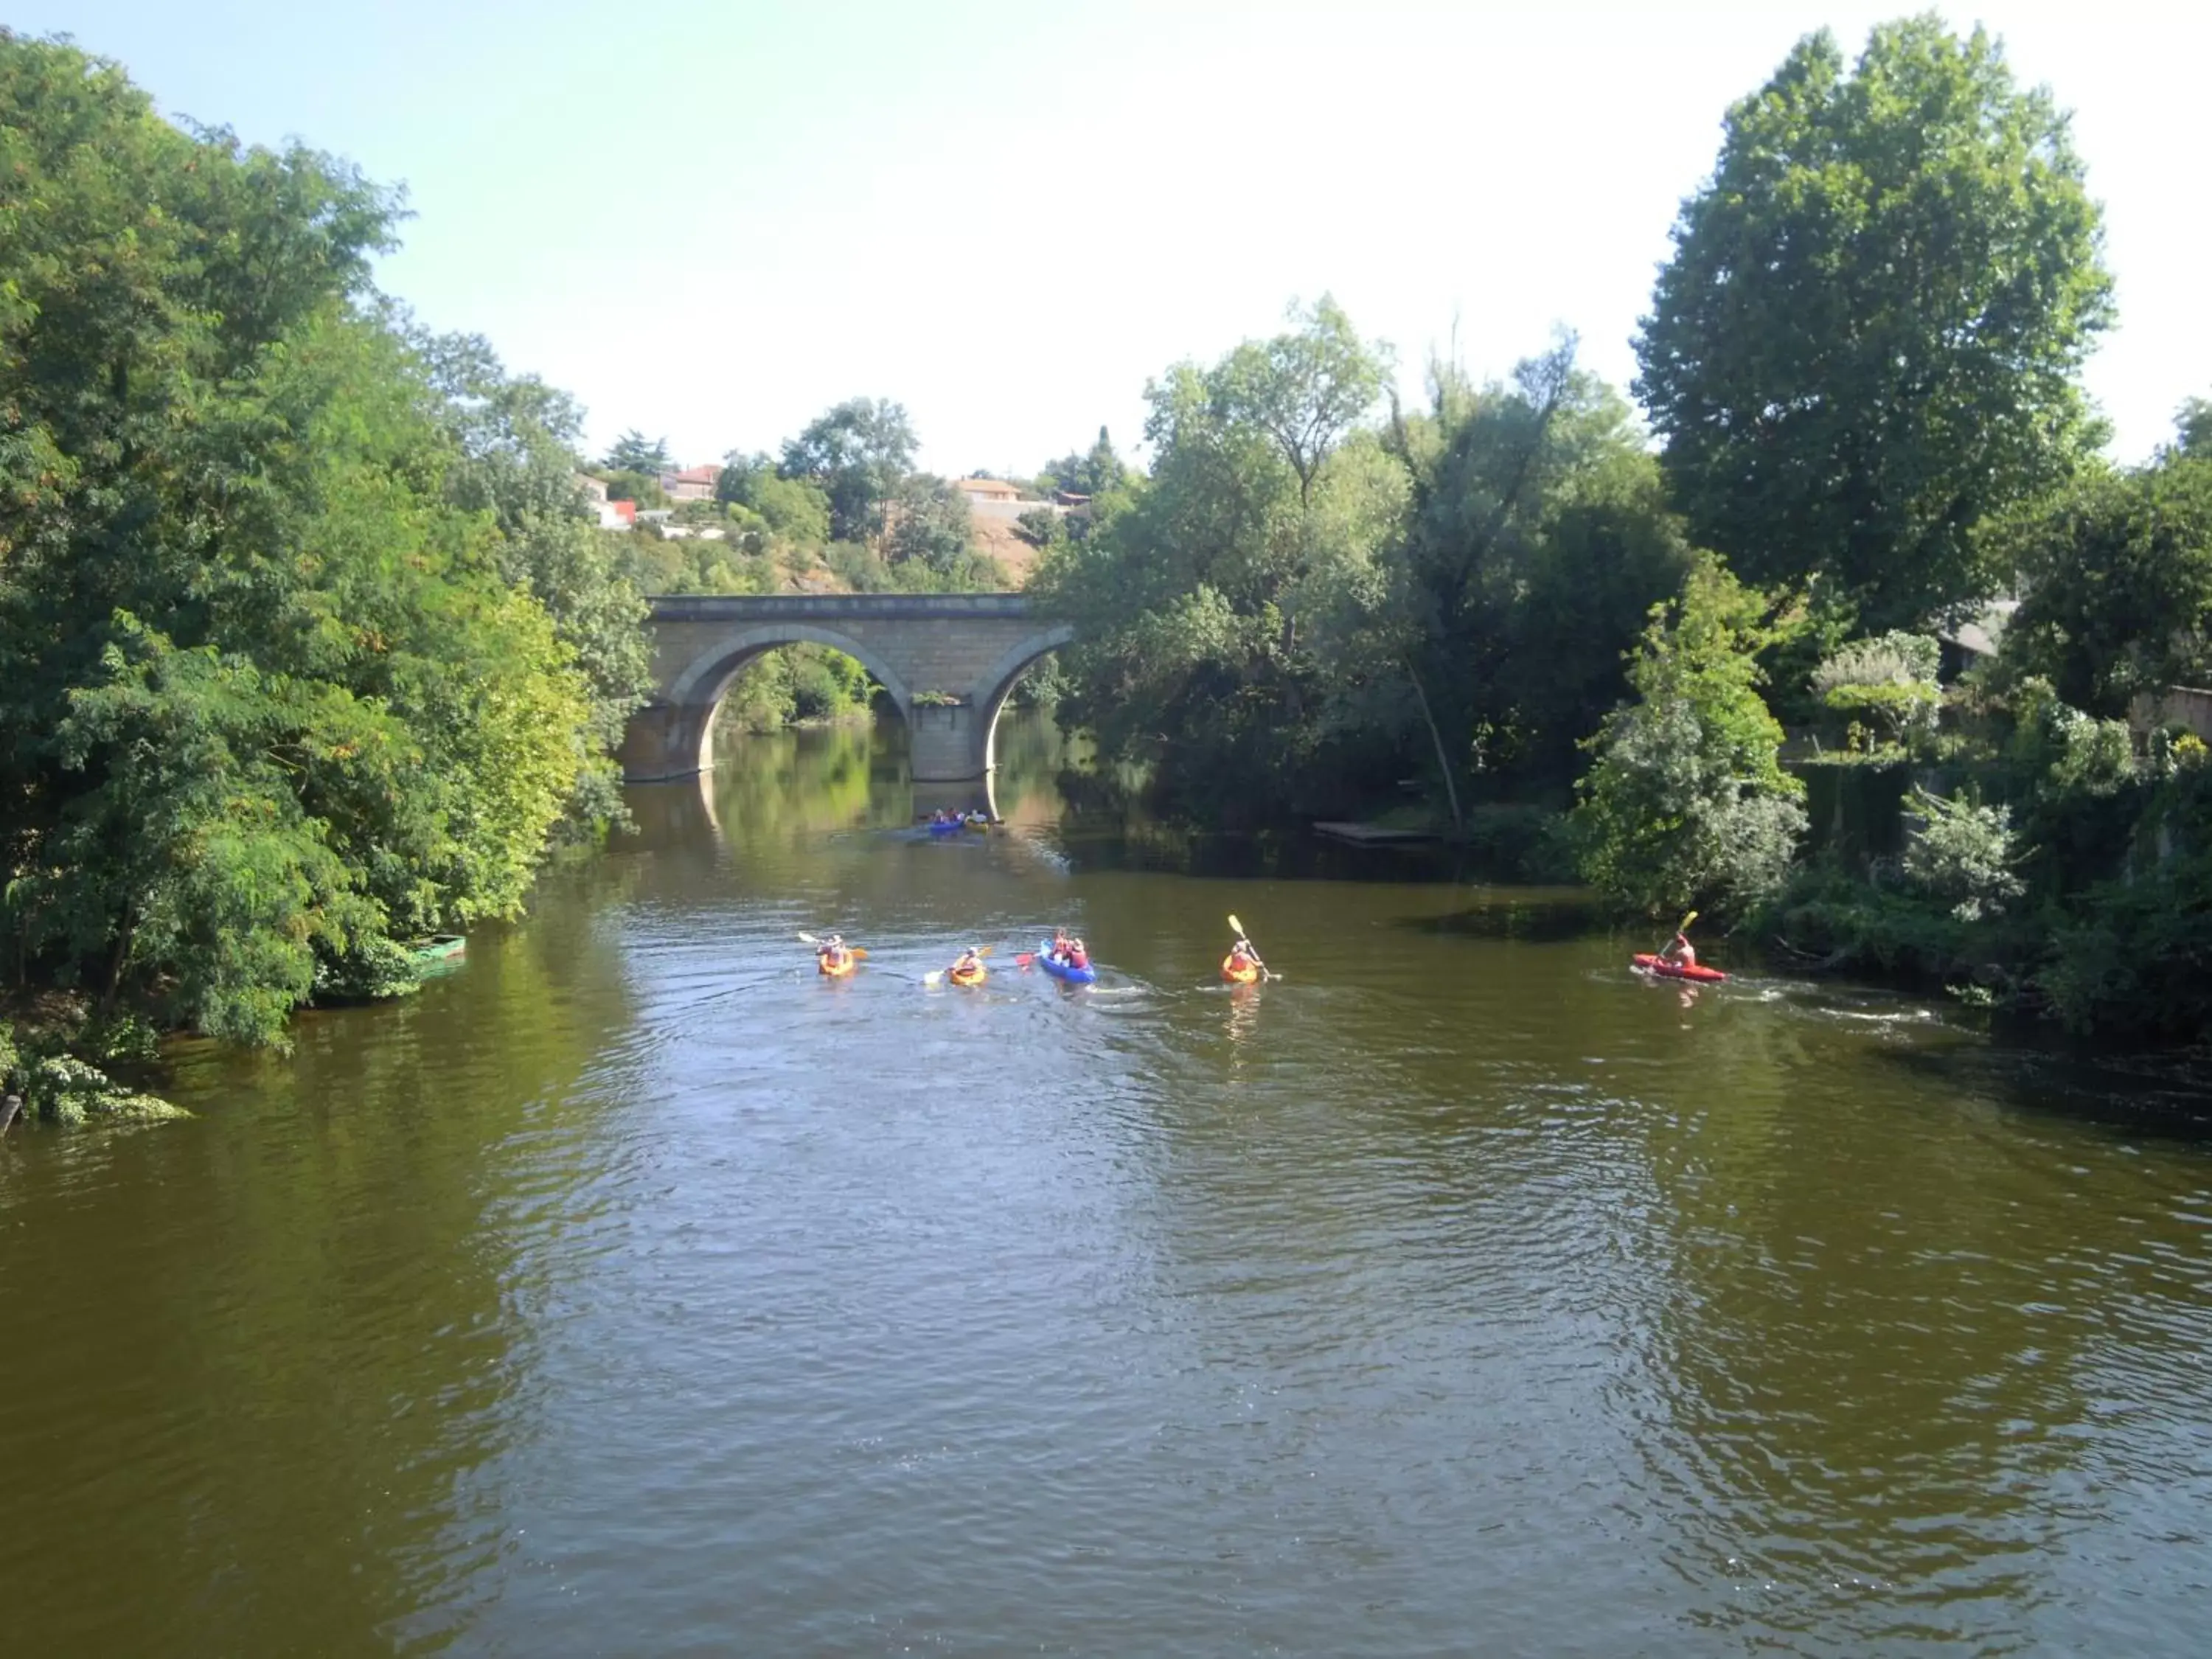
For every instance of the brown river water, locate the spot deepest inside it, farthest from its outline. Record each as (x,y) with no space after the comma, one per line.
(632,1290)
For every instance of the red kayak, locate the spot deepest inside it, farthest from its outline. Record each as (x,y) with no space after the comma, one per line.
(1667,969)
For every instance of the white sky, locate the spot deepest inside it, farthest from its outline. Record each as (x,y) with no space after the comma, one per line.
(711,222)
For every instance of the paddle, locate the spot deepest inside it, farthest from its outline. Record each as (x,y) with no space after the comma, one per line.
(936,976)
(857,955)
(1237,928)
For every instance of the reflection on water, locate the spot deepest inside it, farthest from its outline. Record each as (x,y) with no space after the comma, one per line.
(632,1291)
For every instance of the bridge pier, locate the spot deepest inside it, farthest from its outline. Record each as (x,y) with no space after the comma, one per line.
(946,744)
(663,742)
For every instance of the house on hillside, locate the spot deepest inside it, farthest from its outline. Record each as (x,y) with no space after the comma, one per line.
(994,498)
(693,483)
(613,515)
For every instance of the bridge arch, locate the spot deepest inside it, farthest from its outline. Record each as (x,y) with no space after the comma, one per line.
(996,684)
(696,690)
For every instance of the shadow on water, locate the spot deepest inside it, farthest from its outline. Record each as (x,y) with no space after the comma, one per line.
(2165,1095)
(1534,915)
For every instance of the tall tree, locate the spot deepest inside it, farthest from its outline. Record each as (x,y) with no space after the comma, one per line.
(2119,577)
(1305,387)
(515,439)
(859,452)
(1536,540)
(266,704)
(1867,338)
(634,453)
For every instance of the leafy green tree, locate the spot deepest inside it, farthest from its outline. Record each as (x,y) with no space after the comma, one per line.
(2194,423)
(1100,471)
(2118,573)
(515,442)
(795,511)
(643,488)
(634,453)
(858,454)
(1536,542)
(266,702)
(1867,339)
(931,524)
(1187,595)
(1687,803)
(1305,388)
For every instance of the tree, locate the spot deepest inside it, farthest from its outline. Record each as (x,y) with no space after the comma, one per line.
(1867,341)
(1304,387)
(2118,573)
(859,452)
(266,703)
(1188,593)
(1535,543)
(1687,803)
(1098,472)
(795,510)
(931,525)
(515,442)
(634,453)
(2193,436)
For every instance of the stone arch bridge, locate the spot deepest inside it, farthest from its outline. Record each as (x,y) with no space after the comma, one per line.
(947,660)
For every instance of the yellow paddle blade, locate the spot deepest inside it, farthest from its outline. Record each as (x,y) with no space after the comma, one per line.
(1686,920)
(1236,927)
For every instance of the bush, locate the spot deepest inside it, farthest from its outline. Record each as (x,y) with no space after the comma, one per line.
(1687,804)
(1963,855)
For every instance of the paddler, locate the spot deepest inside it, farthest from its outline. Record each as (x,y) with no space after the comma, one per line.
(970,963)
(1679,951)
(833,954)
(1075,955)
(1242,957)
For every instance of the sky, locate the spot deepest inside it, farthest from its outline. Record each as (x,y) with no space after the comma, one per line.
(711,222)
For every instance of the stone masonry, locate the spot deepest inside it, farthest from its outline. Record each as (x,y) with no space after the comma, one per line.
(970,648)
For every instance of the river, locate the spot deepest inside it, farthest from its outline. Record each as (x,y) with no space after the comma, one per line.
(632,1291)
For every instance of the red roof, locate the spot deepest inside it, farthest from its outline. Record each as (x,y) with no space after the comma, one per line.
(705,475)
(626,510)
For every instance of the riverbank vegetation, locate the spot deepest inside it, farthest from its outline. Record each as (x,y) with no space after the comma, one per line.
(1862,372)
(307,648)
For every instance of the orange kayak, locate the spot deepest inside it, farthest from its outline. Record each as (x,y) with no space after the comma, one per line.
(836,969)
(1236,976)
(974,977)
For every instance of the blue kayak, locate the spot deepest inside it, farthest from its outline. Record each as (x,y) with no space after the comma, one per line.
(1059,970)
(952,828)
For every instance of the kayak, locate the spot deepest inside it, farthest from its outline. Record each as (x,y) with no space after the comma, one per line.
(947,827)
(1059,970)
(978,822)
(836,970)
(975,975)
(1236,976)
(1666,970)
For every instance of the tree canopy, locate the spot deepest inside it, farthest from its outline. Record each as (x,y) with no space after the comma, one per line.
(271,700)
(859,452)
(1867,338)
